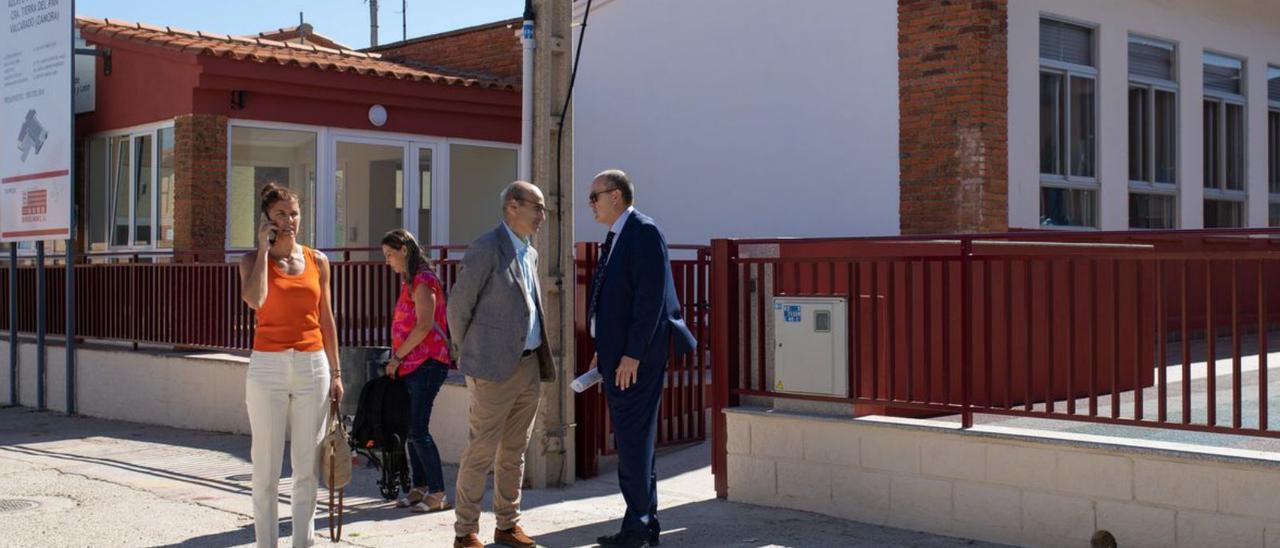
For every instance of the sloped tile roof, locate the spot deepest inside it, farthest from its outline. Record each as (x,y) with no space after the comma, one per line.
(262,50)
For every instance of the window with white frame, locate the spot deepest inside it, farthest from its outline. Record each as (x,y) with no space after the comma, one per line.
(1153,134)
(1273,145)
(129,195)
(1224,141)
(1068,127)
(286,157)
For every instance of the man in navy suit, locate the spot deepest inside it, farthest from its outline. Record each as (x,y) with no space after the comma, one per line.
(634,317)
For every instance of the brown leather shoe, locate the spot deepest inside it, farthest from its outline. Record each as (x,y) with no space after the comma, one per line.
(469,541)
(513,537)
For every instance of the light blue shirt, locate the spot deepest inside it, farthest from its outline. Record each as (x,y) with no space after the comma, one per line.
(528,257)
(616,229)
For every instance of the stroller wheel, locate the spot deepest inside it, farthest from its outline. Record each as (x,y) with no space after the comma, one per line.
(390,482)
(389,491)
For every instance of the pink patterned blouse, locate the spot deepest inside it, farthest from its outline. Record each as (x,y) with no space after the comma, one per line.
(435,346)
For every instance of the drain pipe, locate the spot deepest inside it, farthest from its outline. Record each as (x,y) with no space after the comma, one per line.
(526,92)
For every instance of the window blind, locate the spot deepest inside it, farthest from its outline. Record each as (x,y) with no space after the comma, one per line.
(1065,42)
(1151,60)
(1222,73)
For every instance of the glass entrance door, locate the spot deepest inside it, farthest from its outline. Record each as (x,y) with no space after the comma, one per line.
(424,217)
(369,181)
(379,185)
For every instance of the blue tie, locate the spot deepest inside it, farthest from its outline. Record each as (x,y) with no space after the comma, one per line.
(598,278)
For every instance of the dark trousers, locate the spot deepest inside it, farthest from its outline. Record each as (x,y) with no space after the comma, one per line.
(634,413)
(424,457)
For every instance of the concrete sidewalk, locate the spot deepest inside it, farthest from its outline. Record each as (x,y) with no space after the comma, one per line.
(73,481)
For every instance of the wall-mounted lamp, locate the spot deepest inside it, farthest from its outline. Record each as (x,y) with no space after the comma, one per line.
(378,115)
(237,99)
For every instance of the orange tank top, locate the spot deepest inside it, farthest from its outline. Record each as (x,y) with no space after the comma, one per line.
(289,319)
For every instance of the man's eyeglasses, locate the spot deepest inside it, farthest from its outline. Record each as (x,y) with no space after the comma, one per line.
(595,196)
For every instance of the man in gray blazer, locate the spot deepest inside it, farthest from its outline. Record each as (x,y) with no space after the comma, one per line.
(495,319)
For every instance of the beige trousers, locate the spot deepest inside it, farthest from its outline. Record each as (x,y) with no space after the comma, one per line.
(501,420)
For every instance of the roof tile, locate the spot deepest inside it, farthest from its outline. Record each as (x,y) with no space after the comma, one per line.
(262,50)
(184,32)
(214,36)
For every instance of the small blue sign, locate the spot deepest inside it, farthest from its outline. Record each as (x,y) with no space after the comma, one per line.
(791,314)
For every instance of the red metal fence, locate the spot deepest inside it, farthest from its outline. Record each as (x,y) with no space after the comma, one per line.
(158,299)
(1076,326)
(198,305)
(683,415)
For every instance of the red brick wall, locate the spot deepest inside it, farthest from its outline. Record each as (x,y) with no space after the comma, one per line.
(200,187)
(953,129)
(492,50)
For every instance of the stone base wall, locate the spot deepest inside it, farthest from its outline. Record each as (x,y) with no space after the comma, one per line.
(988,484)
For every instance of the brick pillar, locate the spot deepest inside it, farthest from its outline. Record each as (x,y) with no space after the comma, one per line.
(952,103)
(200,188)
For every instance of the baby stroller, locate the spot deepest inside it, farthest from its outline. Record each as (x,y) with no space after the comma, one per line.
(380,430)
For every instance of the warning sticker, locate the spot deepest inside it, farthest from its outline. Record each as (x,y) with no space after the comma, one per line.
(791,314)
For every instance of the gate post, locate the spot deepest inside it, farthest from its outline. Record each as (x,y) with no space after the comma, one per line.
(724,354)
(586,405)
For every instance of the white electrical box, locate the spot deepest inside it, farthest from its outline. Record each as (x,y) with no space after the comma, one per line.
(811,351)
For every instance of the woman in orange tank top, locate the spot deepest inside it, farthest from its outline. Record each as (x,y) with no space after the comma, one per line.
(293,370)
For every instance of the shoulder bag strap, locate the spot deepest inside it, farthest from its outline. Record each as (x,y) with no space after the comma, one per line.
(335,512)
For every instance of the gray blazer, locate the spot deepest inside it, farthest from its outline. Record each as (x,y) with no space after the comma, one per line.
(488,314)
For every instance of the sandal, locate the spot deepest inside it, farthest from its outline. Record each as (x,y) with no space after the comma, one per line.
(435,502)
(415,496)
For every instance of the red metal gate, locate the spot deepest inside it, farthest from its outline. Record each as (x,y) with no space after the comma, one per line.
(684,410)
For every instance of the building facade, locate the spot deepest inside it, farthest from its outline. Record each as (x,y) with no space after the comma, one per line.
(863,118)
(187,126)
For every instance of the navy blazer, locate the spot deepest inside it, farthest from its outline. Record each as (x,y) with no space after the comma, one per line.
(638,313)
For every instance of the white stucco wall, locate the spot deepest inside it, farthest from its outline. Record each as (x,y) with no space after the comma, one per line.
(1242,28)
(761,118)
(198,391)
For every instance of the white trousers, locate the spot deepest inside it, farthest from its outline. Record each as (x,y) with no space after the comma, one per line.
(286,389)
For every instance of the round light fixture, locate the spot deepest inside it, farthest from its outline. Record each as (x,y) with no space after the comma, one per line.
(378,115)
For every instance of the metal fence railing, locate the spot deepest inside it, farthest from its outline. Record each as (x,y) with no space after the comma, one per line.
(1157,329)
(165,299)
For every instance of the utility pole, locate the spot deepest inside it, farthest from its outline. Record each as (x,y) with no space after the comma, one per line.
(550,459)
(404,20)
(373,23)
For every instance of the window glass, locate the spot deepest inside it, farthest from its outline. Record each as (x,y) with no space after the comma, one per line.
(1166,137)
(1152,211)
(1082,127)
(1067,207)
(1051,122)
(120,181)
(164,188)
(1139,134)
(1234,151)
(143,185)
(1223,214)
(97,215)
(260,156)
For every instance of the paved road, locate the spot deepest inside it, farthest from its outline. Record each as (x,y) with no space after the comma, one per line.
(108,483)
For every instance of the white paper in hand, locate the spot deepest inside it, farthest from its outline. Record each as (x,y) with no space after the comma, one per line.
(586,380)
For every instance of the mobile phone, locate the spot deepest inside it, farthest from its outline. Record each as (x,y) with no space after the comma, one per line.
(271,236)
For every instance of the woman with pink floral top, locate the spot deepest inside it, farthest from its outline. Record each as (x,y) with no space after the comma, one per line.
(420,356)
